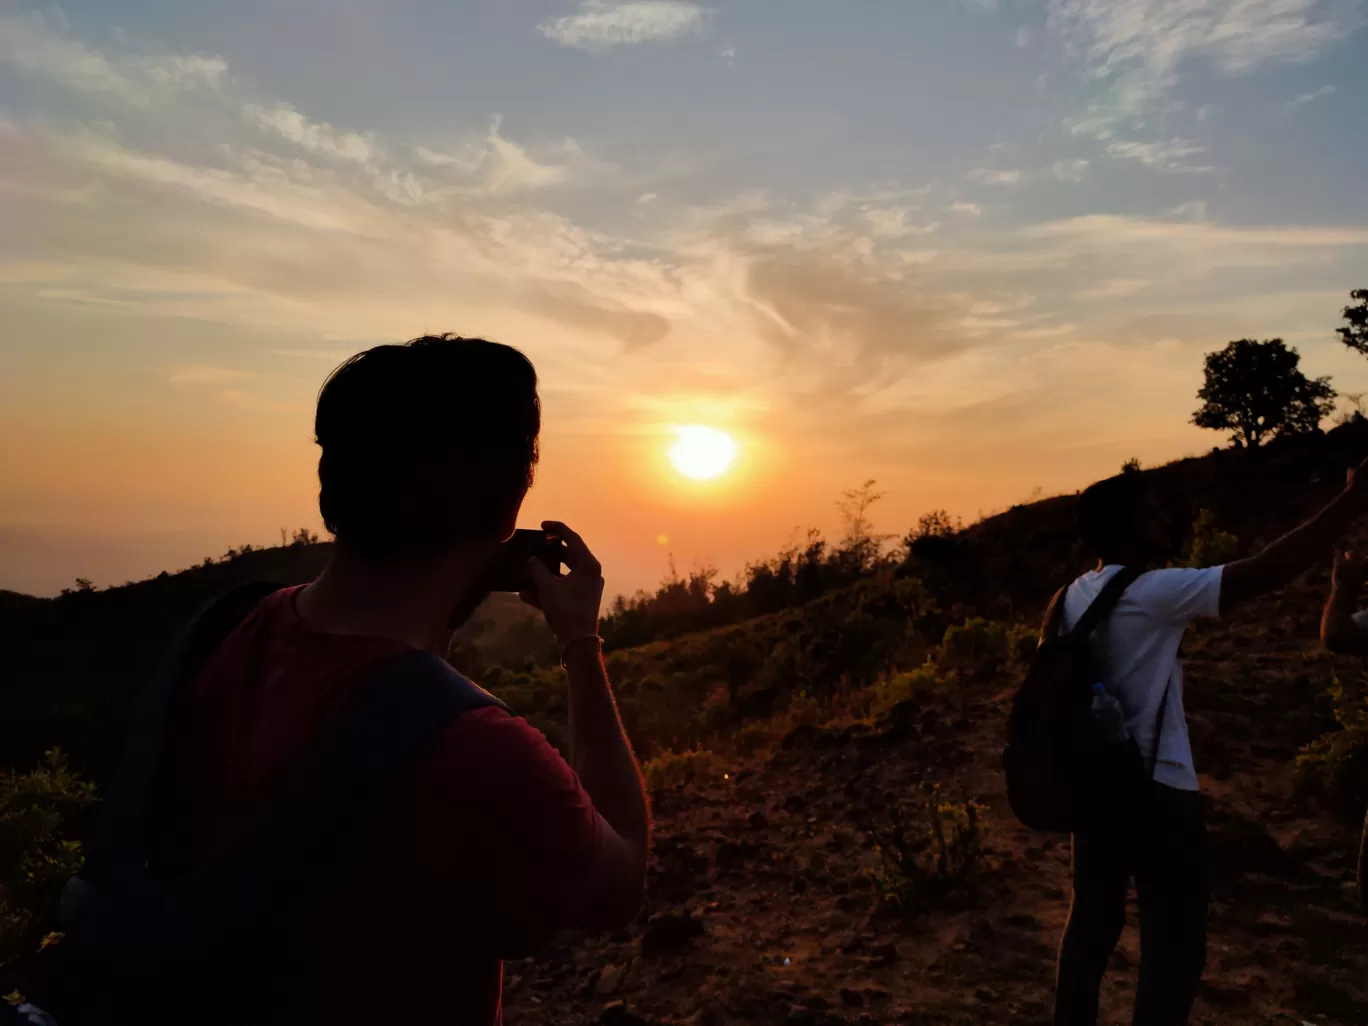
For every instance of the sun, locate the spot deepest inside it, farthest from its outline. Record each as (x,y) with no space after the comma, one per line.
(702,453)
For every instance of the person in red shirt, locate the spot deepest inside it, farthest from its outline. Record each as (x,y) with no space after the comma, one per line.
(495,841)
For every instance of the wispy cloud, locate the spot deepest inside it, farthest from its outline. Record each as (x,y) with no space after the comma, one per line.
(1311,97)
(200,374)
(1135,52)
(316,137)
(988,176)
(1070,170)
(602,24)
(1169,155)
(961,207)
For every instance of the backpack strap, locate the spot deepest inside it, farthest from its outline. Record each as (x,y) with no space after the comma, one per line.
(1159,726)
(1105,602)
(134,796)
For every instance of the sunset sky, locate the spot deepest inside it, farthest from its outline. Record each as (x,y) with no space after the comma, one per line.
(970,249)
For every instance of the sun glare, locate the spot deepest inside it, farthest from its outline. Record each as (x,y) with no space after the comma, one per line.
(702,453)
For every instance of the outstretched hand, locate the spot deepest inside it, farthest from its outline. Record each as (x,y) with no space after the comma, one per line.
(570,602)
(1356,483)
(1348,573)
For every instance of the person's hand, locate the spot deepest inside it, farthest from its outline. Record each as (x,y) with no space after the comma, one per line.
(1348,574)
(1356,484)
(570,602)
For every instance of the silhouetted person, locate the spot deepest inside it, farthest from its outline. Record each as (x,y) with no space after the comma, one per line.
(492,841)
(1344,626)
(1162,842)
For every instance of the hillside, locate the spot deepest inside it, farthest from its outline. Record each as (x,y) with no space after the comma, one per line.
(72,667)
(787,753)
(762,910)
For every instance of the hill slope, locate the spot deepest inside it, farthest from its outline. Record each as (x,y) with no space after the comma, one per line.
(760,906)
(71,668)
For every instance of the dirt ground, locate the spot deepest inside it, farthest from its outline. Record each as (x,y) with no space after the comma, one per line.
(759,909)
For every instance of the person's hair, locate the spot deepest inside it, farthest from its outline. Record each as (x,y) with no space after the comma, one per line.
(1109,511)
(425,444)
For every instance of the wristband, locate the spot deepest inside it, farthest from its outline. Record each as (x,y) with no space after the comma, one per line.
(564,649)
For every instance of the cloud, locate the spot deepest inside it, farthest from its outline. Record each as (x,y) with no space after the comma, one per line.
(1116,288)
(37,45)
(315,239)
(1136,51)
(894,222)
(199,374)
(1303,99)
(1193,209)
(1023,37)
(1163,156)
(1070,170)
(987,176)
(316,137)
(602,24)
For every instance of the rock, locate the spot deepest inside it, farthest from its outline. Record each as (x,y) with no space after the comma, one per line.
(610,980)
(799,885)
(814,1017)
(1024,921)
(758,821)
(669,931)
(1239,846)
(986,994)
(851,998)
(615,1013)
(801,736)
(884,954)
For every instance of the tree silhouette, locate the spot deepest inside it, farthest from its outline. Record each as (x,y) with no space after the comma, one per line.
(1255,391)
(1355,332)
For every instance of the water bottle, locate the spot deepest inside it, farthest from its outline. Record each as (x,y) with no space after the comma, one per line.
(1109,715)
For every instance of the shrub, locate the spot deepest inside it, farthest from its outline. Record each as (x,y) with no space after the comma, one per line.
(753,737)
(899,687)
(1210,545)
(671,770)
(935,859)
(39,812)
(1335,765)
(975,648)
(1022,642)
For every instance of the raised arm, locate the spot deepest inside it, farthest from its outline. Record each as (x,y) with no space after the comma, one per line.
(1339,632)
(600,753)
(1281,561)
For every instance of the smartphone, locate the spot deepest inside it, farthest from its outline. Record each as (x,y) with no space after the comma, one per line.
(510,571)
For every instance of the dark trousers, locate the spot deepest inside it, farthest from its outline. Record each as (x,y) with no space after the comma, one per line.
(1162,844)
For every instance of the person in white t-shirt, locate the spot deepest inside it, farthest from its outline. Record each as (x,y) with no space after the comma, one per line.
(1162,845)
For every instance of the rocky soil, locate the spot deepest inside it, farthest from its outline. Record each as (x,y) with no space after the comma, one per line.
(760,909)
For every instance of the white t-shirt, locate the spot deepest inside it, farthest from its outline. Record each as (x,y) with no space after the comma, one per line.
(1137,644)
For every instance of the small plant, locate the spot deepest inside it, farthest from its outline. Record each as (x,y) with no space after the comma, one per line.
(1022,642)
(38,855)
(935,859)
(975,648)
(671,770)
(1335,765)
(1211,546)
(900,687)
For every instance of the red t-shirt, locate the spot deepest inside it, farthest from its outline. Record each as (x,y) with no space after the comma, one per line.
(490,842)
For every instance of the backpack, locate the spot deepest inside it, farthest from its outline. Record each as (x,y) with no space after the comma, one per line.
(232,944)
(1062,774)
